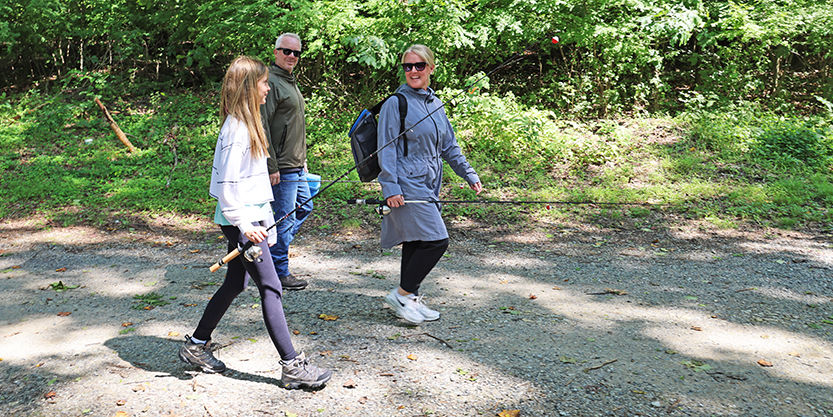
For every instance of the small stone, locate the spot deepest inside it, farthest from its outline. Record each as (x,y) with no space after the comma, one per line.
(656,404)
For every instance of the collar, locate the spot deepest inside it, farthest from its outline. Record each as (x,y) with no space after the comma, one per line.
(280,72)
(419,92)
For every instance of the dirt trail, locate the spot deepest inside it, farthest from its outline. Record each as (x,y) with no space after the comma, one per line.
(558,321)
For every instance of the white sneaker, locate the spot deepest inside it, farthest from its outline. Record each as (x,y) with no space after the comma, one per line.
(427,313)
(404,307)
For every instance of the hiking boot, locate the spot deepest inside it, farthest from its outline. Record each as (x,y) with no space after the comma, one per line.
(405,307)
(199,354)
(299,373)
(289,282)
(427,313)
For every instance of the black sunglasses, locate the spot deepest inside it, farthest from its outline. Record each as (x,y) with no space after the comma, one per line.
(419,66)
(287,51)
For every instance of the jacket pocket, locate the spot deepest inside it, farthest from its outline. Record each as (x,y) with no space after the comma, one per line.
(282,142)
(413,178)
(411,168)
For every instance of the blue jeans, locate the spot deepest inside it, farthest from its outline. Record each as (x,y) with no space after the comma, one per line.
(289,193)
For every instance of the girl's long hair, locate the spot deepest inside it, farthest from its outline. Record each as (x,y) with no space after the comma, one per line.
(240,98)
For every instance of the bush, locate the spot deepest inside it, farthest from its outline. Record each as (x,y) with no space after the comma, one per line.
(793,143)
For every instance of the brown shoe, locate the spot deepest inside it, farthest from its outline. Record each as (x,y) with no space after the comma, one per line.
(289,282)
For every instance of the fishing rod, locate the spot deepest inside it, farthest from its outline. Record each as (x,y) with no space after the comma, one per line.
(253,255)
(382,208)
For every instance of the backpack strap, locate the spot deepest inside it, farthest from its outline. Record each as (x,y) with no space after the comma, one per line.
(403,111)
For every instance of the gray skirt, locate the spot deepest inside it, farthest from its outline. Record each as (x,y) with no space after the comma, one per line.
(412,221)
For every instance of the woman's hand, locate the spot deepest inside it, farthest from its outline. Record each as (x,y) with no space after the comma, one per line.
(257,235)
(395,201)
(477,187)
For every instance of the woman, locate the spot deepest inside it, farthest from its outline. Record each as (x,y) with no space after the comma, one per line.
(240,183)
(412,169)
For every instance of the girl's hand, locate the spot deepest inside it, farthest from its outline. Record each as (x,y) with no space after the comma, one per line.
(395,201)
(257,235)
(477,187)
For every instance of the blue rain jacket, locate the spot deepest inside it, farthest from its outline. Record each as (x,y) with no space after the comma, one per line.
(417,176)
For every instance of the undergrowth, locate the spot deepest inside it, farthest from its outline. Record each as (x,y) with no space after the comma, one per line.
(60,159)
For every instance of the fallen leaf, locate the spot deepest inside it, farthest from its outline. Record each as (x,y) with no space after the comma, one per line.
(765,363)
(532,296)
(61,270)
(296,332)
(327,317)
(556,287)
(15,266)
(794,354)
(121,403)
(189,305)
(509,413)
(173,334)
(349,384)
(313,333)
(50,395)
(121,414)
(138,388)
(64,313)
(412,357)
(325,352)
(127,324)
(363,400)
(697,328)
(194,250)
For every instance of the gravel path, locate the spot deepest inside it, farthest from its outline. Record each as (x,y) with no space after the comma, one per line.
(682,320)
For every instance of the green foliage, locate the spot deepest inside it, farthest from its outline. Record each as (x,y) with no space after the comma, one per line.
(614,55)
(750,81)
(793,144)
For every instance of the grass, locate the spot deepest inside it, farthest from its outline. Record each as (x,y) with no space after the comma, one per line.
(60,160)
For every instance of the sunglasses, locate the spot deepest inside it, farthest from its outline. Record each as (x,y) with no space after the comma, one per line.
(287,51)
(419,66)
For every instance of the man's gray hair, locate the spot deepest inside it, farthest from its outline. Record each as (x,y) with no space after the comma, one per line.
(286,35)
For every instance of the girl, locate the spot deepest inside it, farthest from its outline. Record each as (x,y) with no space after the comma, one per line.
(240,183)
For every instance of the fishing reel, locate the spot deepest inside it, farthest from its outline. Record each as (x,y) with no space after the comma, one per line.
(253,254)
(382,210)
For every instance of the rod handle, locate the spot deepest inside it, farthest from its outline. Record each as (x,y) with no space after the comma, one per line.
(226,259)
(368,201)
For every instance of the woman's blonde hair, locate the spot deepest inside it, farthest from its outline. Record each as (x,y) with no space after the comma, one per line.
(240,98)
(422,51)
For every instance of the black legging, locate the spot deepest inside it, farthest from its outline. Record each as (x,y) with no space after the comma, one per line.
(418,259)
(266,279)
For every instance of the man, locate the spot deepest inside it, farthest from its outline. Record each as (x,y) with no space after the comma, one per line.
(283,120)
